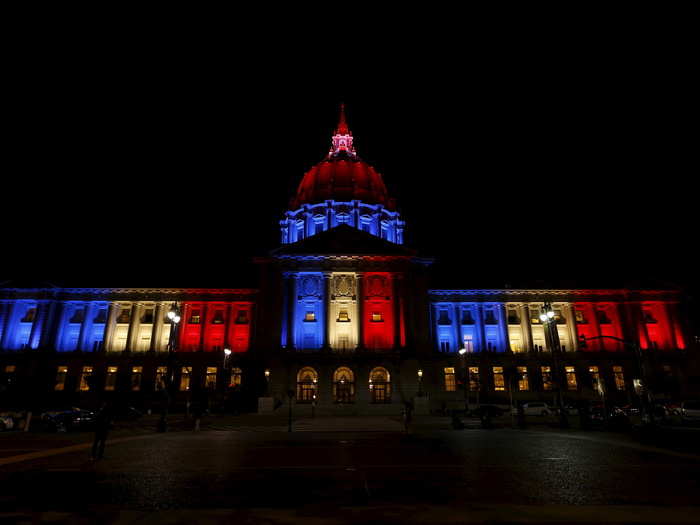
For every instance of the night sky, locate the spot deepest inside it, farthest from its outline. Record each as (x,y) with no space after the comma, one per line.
(559,170)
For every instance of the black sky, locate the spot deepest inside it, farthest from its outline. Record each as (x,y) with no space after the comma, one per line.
(570,167)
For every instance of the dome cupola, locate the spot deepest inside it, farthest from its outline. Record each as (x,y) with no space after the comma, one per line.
(342,189)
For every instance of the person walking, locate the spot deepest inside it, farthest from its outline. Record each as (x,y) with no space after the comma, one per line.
(103,421)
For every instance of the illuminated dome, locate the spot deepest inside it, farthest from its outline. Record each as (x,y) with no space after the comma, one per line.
(342,189)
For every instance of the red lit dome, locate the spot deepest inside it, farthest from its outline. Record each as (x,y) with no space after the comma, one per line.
(342,176)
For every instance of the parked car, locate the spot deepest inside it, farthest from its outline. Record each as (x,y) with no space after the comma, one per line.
(67,420)
(690,411)
(535,408)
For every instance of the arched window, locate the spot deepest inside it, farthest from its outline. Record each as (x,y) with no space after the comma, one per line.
(307,381)
(343,385)
(380,385)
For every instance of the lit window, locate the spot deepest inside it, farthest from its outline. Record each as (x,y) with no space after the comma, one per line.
(450,383)
(136,375)
(515,345)
(499,382)
(559,317)
(474,378)
(619,377)
(10,369)
(546,377)
(535,315)
(468,344)
(580,318)
(377,317)
(210,380)
(161,376)
(61,374)
(85,378)
(523,381)
(570,377)
(196,317)
(343,316)
(111,379)
(185,379)
(236,377)
(595,379)
(310,316)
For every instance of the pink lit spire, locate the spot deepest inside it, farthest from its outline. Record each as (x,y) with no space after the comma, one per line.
(342,139)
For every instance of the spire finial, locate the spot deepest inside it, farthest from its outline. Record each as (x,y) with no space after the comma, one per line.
(342,138)
(342,128)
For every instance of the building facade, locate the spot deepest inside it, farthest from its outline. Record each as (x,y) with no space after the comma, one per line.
(344,321)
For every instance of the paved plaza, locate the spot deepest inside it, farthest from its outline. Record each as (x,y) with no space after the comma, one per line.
(348,470)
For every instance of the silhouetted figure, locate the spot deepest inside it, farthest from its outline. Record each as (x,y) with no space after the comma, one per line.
(407,415)
(103,421)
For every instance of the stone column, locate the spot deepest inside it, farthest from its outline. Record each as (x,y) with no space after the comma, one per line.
(135,322)
(327,294)
(292,331)
(525,327)
(47,330)
(480,331)
(456,319)
(204,324)
(60,324)
(110,325)
(360,311)
(503,326)
(9,327)
(38,326)
(571,324)
(596,326)
(86,327)
(157,333)
(396,288)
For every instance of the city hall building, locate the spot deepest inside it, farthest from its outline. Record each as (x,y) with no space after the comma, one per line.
(345,321)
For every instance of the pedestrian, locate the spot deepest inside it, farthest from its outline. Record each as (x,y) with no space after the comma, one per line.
(407,415)
(103,421)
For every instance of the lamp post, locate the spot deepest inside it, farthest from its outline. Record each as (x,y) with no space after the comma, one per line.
(420,382)
(466,376)
(174,317)
(267,382)
(548,318)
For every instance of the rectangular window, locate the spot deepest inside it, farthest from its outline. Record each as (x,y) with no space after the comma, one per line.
(499,382)
(619,378)
(444,317)
(580,318)
(10,369)
(196,317)
(490,317)
(513,317)
(535,314)
(124,315)
(474,382)
(78,316)
(377,317)
(523,381)
(559,317)
(111,379)
(210,380)
(444,346)
(310,317)
(570,378)
(595,379)
(546,377)
(29,316)
(242,317)
(100,316)
(218,317)
(468,344)
(136,375)
(236,377)
(185,379)
(467,317)
(603,317)
(161,377)
(61,374)
(450,383)
(147,316)
(343,316)
(515,345)
(85,377)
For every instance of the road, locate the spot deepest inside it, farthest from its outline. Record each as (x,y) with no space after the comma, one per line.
(337,475)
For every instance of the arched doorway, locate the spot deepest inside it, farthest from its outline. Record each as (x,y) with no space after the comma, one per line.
(380,385)
(307,382)
(343,385)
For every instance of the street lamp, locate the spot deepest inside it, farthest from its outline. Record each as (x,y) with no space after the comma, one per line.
(267,382)
(549,321)
(420,382)
(174,317)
